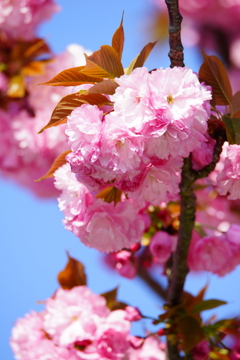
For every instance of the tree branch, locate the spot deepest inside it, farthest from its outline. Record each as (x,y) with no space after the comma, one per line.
(153,284)
(175,19)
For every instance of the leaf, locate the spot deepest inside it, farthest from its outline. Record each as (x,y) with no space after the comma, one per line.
(61,160)
(142,57)
(109,194)
(118,39)
(72,77)
(236,105)
(16,87)
(129,69)
(207,305)
(232,129)
(72,275)
(104,63)
(110,297)
(107,87)
(29,50)
(68,103)
(35,68)
(213,73)
(191,332)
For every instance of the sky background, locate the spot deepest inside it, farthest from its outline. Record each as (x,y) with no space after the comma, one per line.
(34,242)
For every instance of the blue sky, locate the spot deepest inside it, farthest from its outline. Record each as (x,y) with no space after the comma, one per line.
(33,238)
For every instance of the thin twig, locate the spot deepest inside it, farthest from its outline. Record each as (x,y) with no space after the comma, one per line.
(153,284)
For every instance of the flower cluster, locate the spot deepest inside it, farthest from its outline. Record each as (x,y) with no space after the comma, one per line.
(134,149)
(25,156)
(77,324)
(19,18)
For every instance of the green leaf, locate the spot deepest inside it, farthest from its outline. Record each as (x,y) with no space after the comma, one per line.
(107,87)
(129,69)
(104,63)
(232,129)
(190,331)
(213,73)
(207,305)
(68,103)
(118,39)
(236,105)
(58,162)
(72,275)
(142,57)
(72,77)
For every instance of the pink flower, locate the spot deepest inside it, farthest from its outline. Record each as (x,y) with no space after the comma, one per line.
(29,341)
(203,155)
(133,314)
(84,129)
(126,264)
(19,18)
(162,245)
(159,182)
(74,315)
(110,228)
(211,253)
(152,349)
(25,155)
(201,351)
(228,179)
(112,336)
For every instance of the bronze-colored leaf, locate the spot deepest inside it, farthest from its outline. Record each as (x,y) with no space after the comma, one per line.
(191,332)
(35,68)
(236,105)
(142,57)
(109,194)
(107,87)
(27,50)
(118,39)
(59,161)
(118,305)
(232,129)
(104,63)
(71,77)
(213,73)
(16,87)
(110,297)
(130,68)
(68,103)
(72,275)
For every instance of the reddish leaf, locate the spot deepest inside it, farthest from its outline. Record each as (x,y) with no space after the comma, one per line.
(72,77)
(104,63)
(68,103)
(142,57)
(61,160)
(190,331)
(107,87)
(213,73)
(35,67)
(72,275)
(232,129)
(118,39)
(236,105)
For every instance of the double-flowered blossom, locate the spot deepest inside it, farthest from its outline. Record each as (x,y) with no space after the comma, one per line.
(228,179)
(98,224)
(219,254)
(137,146)
(76,324)
(19,18)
